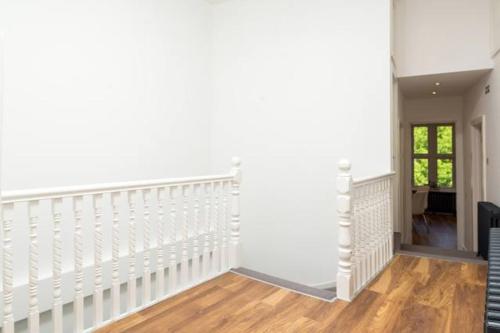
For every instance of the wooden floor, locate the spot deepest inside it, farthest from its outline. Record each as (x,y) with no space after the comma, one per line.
(442,231)
(412,295)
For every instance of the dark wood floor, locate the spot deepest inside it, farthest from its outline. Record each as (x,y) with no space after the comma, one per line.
(442,231)
(412,295)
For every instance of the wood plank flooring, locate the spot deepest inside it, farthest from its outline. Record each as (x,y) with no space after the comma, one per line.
(412,295)
(442,231)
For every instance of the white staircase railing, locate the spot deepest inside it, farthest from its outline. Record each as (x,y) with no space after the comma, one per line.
(184,227)
(365,229)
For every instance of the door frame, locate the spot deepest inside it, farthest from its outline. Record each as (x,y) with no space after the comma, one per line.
(478,170)
(460,175)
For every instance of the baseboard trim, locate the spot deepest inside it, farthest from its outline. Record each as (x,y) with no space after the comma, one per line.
(325,285)
(324,295)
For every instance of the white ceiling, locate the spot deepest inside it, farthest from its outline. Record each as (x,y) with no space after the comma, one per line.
(451,84)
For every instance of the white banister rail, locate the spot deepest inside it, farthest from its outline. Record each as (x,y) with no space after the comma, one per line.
(171,234)
(73,191)
(365,229)
(368,180)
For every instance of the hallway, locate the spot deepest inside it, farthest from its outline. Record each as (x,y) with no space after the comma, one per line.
(412,294)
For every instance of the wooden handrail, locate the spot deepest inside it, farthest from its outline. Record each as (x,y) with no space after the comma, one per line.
(372,179)
(70,191)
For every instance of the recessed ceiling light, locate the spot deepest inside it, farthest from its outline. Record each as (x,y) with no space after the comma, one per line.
(437,83)
(434,92)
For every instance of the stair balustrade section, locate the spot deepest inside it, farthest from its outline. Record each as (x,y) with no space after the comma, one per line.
(365,220)
(113,249)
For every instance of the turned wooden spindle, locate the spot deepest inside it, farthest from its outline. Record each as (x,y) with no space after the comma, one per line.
(172,265)
(78,255)
(184,278)
(207,229)
(146,278)
(7,281)
(33,311)
(115,250)
(160,268)
(196,227)
(98,244)
(132,288)
(215,223)
(57,314)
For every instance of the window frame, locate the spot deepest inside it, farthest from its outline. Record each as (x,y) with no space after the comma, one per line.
(432,156)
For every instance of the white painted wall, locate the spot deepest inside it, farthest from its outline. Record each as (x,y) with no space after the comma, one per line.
(439,36)
(476,104)
(299,85)
(101,91)
(434,110)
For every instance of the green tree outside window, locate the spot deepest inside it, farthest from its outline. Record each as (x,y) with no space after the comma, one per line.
(420,140)
(445,140)
(445,173)
(421,171)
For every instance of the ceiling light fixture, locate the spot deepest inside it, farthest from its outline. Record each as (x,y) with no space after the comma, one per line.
(434,92)
(437,84)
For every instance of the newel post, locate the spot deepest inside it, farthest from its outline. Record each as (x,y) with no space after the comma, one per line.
(344,191)
(235,246)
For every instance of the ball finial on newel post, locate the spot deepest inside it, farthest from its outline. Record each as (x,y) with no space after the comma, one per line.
(344,165)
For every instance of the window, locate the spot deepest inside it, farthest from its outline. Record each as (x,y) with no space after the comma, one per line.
(434,155)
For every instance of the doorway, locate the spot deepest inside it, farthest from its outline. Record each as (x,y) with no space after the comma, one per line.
(478,170)
(434,195)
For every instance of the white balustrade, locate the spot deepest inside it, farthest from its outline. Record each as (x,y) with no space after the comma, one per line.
(364,210)
(186,217)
